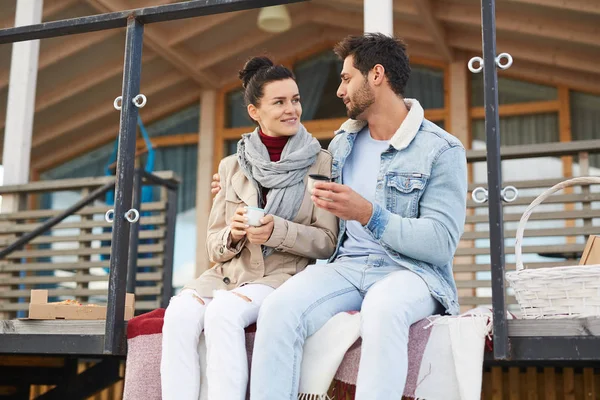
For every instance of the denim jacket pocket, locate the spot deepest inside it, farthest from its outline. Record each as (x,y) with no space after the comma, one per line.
(403,193)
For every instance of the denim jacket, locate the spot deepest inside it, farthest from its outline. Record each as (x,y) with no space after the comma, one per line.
(421,197)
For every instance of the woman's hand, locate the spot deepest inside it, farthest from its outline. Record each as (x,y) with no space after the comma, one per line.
(239,223)
(215,185)
(260,234)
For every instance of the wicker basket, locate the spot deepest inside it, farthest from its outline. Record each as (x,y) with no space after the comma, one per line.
(555,292)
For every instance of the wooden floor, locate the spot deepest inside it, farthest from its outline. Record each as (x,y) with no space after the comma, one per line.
(52,327)
(554,327)
(549,327)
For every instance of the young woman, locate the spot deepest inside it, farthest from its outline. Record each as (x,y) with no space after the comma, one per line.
(269,171)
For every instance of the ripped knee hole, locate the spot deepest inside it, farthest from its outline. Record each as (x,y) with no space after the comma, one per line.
(241,296)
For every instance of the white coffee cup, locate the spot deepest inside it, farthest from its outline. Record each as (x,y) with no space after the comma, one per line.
(254,215)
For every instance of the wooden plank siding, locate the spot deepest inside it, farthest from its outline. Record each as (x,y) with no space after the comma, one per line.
(72,258)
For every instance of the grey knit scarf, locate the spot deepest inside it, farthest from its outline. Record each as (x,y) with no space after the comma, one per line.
(284,178)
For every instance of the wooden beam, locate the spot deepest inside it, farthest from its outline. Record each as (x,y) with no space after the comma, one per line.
(353,20)
(155,40)
(56,7)
(49,10)
(509,110)
(564,123)
(559,56)
(436,114)
(435,27)
(168,106)
(206,139)
(400,7)
(247,41)
(72,46)
(582,6)
(458,123)
(417,39)
(458,104)
(195,27)
(564,114)
(182,139)
(97,112)
(523,22)
(548,75)
(219,128)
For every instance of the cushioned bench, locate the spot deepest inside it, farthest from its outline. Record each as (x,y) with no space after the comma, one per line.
(457,346)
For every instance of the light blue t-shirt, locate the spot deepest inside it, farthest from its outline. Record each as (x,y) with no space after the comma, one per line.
(360,172)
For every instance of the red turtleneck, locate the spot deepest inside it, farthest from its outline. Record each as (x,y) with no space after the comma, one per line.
(275,147)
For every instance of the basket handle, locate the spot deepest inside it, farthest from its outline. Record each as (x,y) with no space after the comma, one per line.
(559,186)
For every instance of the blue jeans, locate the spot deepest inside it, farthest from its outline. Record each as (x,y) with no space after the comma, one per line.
(390,298)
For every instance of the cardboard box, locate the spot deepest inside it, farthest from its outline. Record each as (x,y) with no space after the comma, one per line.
(591,253)
(39,308)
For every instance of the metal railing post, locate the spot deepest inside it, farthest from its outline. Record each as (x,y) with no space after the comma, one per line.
(114,333)
(494,172)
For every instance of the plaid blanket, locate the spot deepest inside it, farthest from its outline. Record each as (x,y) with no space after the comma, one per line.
(445,356)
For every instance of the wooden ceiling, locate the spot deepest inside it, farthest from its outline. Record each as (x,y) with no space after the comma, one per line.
(553,41)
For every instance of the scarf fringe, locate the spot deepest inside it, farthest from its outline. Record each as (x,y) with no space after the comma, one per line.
(309,396)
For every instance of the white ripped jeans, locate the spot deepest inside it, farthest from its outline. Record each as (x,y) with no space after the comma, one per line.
(223,319)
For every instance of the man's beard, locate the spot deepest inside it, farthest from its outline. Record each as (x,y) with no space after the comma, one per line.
(362,100)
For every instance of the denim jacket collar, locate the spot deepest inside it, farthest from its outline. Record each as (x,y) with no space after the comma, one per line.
(405,133)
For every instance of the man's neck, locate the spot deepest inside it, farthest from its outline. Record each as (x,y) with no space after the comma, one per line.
(385,120)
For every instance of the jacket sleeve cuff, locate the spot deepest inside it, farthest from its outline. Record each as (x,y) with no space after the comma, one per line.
(283,236)
(378,222)
(227,246)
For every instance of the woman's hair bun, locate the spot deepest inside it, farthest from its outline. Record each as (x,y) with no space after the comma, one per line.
(252,67)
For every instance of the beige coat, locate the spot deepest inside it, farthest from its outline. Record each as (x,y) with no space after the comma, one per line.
(312,235)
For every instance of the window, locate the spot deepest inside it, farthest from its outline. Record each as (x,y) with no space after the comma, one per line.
(318,80)
(511,91)
(236,114)
(585,120)
(427,86)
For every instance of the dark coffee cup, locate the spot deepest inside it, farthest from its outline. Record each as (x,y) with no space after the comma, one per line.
(313,178)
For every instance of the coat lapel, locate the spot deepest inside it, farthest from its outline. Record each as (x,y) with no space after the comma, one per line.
(244,189)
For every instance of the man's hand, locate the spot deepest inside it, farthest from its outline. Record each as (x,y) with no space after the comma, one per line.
(260,234)
(342,202)
(239,223)
(215,185)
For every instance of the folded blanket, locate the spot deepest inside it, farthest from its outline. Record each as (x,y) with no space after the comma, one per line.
(445,357)
(144,347)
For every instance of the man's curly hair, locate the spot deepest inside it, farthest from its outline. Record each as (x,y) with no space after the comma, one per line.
(371,49)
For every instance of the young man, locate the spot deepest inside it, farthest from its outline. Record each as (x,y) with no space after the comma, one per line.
(400,195)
